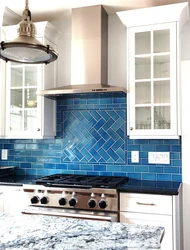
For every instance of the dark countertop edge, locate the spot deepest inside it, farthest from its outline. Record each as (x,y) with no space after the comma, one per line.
(133,185)
(144,191)
(152,190)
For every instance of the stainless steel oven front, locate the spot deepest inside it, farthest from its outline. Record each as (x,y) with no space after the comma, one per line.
(83,203)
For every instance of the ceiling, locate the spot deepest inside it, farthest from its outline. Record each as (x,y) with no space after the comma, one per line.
(56,9)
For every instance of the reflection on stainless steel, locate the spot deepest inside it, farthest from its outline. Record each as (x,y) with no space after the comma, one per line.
(77,196)
(88,215)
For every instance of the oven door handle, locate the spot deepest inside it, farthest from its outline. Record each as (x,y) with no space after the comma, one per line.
(109,217)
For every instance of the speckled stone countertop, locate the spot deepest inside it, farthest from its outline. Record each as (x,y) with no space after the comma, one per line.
(34,232)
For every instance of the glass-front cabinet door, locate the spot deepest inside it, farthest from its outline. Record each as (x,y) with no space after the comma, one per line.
(22,102)
(152,80)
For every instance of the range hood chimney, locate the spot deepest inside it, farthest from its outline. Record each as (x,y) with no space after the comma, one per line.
(89,54)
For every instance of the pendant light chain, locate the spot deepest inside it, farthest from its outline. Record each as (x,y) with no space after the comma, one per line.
(26,5)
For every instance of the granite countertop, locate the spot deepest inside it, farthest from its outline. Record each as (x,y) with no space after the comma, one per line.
(151,187)
(37,232)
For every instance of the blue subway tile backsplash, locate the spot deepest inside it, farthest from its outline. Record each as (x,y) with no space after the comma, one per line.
(92,139)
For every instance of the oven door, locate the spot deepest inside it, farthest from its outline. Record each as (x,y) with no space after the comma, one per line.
(71,213)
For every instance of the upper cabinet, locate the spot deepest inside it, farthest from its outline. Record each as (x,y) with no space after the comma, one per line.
(27,115)
(153,37)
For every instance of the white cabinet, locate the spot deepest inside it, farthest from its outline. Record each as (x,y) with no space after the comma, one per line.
(158,210)
(26,114)
(12,199)
(153,70)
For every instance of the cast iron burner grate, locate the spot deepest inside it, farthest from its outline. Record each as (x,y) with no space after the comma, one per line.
(87,181)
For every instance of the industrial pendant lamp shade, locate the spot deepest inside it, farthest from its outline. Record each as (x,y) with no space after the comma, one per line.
(26,48)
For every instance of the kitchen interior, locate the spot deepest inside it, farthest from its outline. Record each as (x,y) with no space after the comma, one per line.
(95,142)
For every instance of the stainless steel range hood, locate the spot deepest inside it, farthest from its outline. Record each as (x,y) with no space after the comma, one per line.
(89,54)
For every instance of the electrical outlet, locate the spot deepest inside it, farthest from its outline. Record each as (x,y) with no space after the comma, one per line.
(4,154)
(135,156)
(159,157)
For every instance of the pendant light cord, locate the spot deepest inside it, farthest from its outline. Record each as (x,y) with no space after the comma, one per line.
(26,15)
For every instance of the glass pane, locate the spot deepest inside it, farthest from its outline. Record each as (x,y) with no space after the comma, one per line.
(142,68)
(16,120)
(30,120)
(16,77)
(162,92)
(142,43)
(16,98)
(30,76)
(161,66)
(30,98)
(162,117)
(143,117)
(142,92)
(161,41)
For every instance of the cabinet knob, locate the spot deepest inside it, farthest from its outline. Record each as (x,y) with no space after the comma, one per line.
(38,129)
(131,128)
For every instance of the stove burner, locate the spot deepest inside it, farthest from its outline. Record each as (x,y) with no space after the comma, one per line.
(81,181)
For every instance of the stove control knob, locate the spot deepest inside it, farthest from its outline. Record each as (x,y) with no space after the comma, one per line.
(102,204)
(44,200)
(62,201)
(72,202)
(91,203)
(34,199)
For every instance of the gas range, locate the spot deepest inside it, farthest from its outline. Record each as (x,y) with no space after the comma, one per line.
(74,194)
(81,181)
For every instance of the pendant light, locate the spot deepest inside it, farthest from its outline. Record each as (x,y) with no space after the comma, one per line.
(26,48)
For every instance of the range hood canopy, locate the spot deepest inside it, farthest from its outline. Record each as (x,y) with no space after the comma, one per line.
(89,54)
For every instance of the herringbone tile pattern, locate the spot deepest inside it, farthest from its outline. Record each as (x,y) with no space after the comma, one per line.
(94,136)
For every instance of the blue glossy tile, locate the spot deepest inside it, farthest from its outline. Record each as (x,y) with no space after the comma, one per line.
(10,146)
(174,155)
(137,176)
(163,148)
(73,167)
(25,165)
(176,163)
(133,147)
(119,174)
(87,167)
(113,168)
(156,141)
(156,169)
(32,146)
(99,168)
(91,129)
(176,148)
(128,169)
(31,171)
(37,152)
(176,178)
(61,166)
(164,177)
(141,169)
(148,148)
(20,158)
(172,170)
(30,159)
(148,176)
(49,165)
(37,166)
(20,171)
(139,142)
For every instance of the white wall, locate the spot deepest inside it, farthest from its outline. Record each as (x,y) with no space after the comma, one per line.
(185,80)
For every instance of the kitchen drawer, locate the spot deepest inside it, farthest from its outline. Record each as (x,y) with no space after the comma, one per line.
(145,203)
